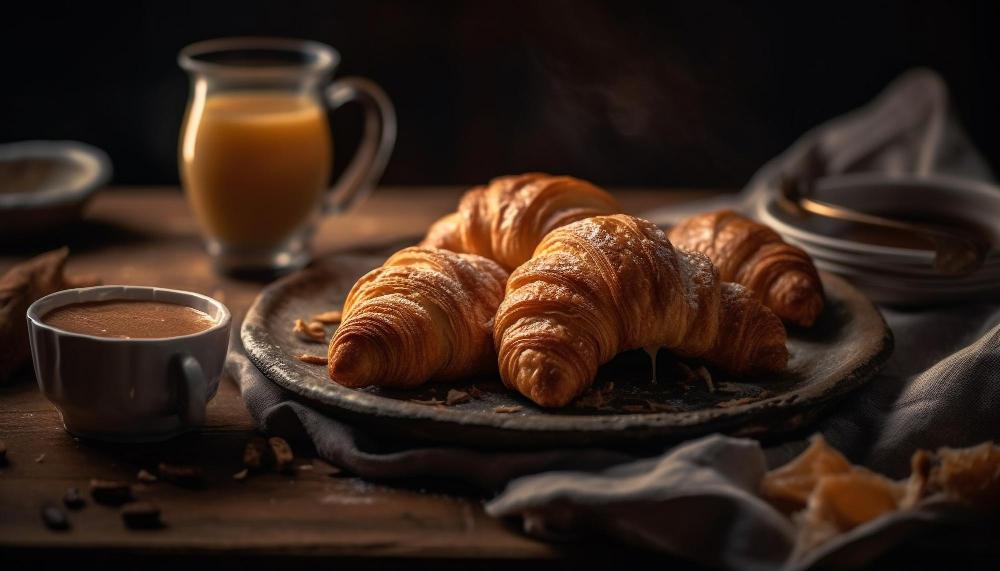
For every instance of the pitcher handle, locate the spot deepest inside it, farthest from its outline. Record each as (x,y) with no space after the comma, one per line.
(377,141)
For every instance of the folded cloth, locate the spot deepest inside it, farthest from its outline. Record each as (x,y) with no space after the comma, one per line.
(276,411)
(941,387)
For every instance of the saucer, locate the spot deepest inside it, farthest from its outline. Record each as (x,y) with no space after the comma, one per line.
(889,269)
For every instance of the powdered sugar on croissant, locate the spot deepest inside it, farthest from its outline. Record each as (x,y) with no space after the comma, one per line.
(608,284)
(747,252)
(506,219)
(427,313)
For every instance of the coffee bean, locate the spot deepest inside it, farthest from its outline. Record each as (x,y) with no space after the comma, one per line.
(54,518)
(184,476)
(283,456)
(72,499)
(141,515)
(110,493)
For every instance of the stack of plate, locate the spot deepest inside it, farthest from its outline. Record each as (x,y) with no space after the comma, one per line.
(888,268)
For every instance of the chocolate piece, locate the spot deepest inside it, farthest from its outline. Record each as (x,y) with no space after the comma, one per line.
(110,493)
(184,476)
(54,518)
(142,515)
(72,499)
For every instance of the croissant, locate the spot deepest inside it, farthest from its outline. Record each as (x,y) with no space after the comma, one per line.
(782,276)
(608,284)
(426,313)
(506,219)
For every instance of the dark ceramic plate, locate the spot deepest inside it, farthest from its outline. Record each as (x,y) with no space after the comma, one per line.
(841,352)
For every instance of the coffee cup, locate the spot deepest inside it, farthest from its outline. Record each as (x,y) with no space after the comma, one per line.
(128,388)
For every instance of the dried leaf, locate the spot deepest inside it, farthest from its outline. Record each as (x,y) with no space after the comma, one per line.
(19,288)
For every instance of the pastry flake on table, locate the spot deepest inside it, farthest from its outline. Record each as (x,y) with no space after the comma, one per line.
(789,486)
(609,284)
(827,496)
(967,474)
(507,218)
(424,314)
(21,286)
(747,252)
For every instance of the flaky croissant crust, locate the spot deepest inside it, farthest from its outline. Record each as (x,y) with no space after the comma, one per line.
(506,219)
(747,252)
(608,284)
(426,313)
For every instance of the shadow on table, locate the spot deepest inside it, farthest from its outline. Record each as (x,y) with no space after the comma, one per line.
(81,236)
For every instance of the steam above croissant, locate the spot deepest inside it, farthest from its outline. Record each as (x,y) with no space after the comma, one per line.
(782,276)
(608,284)
(425,314)
(506,219)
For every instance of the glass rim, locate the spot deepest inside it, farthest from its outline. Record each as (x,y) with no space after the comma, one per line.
(321,58)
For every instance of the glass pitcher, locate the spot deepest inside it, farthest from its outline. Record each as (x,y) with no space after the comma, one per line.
(256,150)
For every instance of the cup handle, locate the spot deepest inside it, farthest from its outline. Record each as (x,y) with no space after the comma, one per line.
(192,395)
(376,145)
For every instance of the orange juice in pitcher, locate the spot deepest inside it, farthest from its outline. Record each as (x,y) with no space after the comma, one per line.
(256,151)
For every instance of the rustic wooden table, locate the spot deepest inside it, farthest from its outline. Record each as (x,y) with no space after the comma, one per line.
(148,237)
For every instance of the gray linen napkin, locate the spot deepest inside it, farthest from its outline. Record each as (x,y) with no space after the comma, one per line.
(697,501)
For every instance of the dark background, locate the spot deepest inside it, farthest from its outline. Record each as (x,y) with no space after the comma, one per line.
(623,93)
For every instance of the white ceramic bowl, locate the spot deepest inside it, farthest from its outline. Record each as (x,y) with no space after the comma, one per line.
(130,390)
(47,183)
